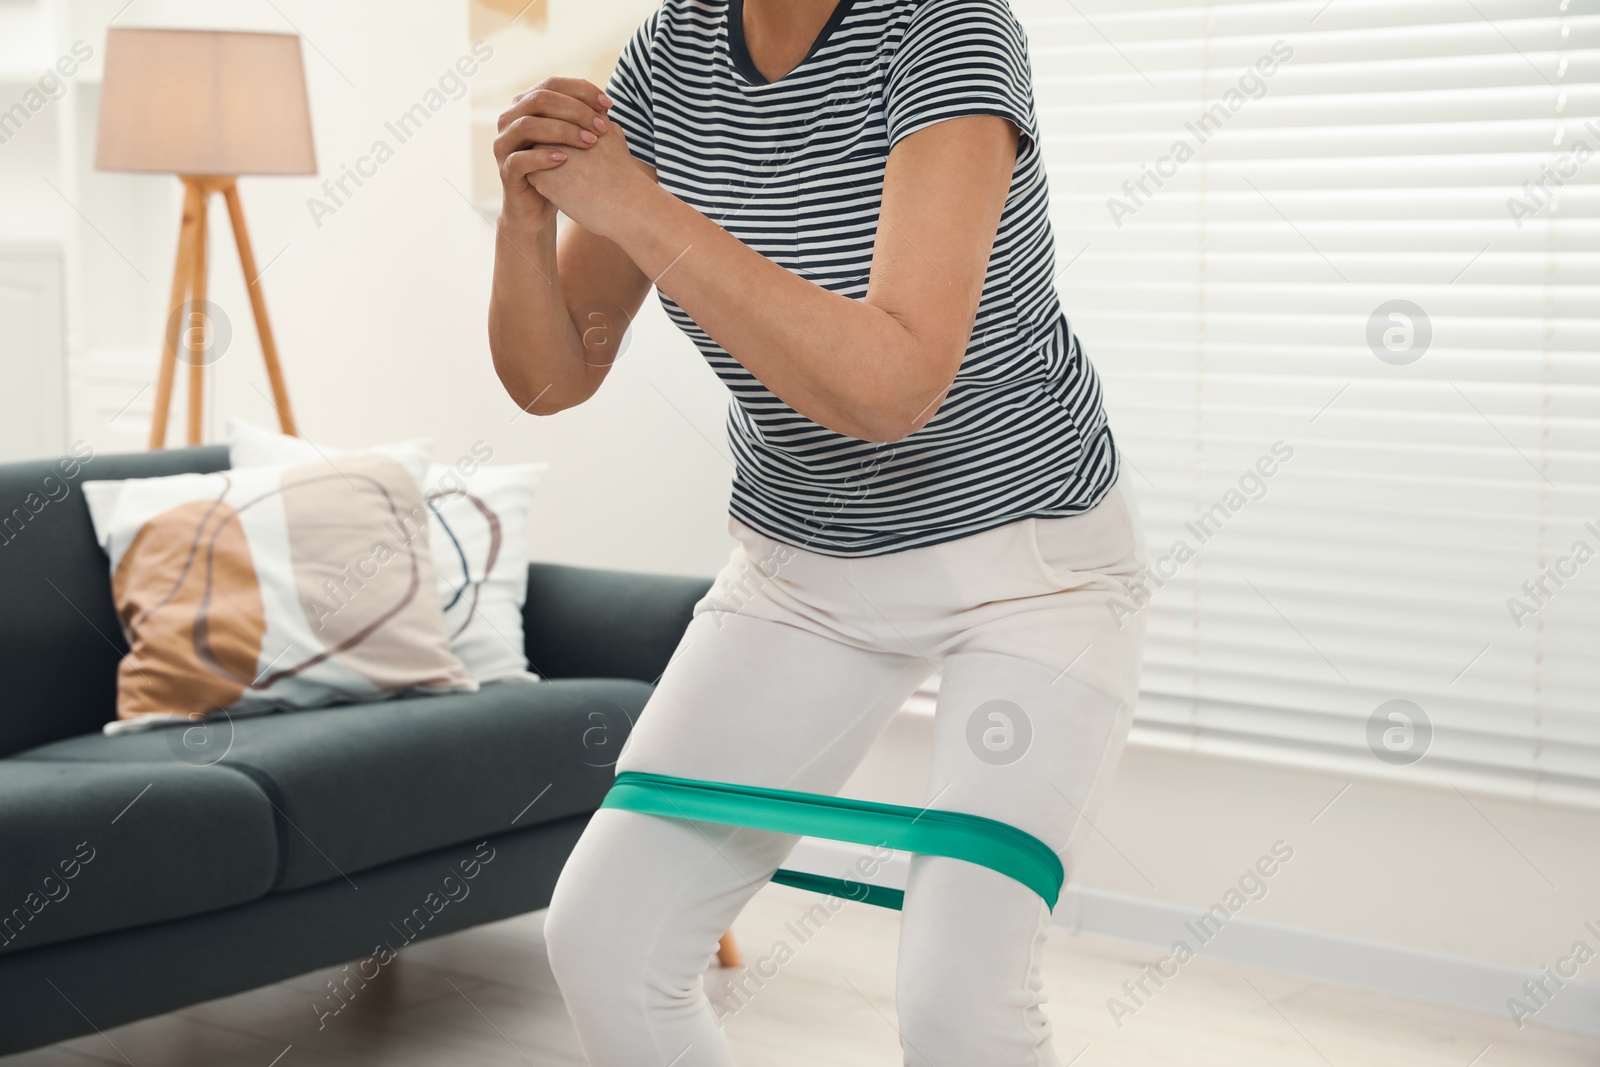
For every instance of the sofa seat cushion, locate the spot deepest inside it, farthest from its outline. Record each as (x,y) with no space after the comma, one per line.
(361,785)
(90,847)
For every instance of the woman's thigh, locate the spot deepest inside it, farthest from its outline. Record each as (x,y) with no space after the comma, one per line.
(1035,699)
(744,700)
(1025,743)
(759,702)
(1035,702)
(748,701)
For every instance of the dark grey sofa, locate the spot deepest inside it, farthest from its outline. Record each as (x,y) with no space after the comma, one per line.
(145,872)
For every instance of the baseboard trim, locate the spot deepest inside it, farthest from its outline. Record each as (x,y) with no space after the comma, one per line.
(1438,978)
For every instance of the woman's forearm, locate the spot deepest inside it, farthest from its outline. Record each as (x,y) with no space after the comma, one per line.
(844,364)
(537,351)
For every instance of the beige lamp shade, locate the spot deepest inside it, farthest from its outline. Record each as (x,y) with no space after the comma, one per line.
(204,102)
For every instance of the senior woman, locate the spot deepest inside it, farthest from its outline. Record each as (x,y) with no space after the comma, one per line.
(843,204)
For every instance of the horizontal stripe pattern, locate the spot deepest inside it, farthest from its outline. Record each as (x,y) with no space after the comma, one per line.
(794,169)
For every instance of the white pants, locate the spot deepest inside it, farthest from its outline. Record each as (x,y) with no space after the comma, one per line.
(792,666)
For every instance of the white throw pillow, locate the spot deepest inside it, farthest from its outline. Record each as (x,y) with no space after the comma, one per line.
(478,535)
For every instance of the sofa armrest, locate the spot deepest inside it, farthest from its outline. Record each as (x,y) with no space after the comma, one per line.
(580,622)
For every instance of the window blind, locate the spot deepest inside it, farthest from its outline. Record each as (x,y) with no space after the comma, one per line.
(1338,264)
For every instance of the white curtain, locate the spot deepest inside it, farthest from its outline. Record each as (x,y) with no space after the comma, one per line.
(1339,266)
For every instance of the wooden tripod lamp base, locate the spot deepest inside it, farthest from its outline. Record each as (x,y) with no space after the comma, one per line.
(728,951)
(208,106)
(190,333)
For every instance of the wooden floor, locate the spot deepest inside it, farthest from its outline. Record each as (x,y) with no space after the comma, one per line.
(485,997)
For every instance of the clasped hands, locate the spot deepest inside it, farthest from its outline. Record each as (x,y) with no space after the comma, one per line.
(556,149)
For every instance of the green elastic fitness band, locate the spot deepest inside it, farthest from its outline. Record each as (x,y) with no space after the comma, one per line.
(929,831)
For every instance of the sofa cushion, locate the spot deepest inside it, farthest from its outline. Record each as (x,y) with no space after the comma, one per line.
(60,641)
(90,847)
(361,785)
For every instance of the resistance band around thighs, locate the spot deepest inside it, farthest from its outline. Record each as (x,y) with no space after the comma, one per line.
(929,831)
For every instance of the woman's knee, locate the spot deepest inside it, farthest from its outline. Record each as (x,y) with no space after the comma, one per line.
(628,906)
(575,936)
(593,931)
(948,1018)
(969,988)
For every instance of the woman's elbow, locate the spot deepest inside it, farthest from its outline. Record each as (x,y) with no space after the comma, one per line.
(893,422)
(537,405)
(536,385)
(885,428)
(529,396)
(903,407)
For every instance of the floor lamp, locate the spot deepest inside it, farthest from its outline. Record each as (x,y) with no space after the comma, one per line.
(207,106)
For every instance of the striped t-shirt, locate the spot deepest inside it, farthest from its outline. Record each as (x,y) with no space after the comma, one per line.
(794,169)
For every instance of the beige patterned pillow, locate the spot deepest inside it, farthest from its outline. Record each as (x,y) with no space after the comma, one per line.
(293,586)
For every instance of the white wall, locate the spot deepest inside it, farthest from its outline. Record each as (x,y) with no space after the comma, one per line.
(379,311)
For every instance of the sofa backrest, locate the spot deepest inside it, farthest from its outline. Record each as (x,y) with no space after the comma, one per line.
(60,640)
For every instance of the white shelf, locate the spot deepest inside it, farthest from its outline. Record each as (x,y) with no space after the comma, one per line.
(113,233)
(24,76)
(129,363)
